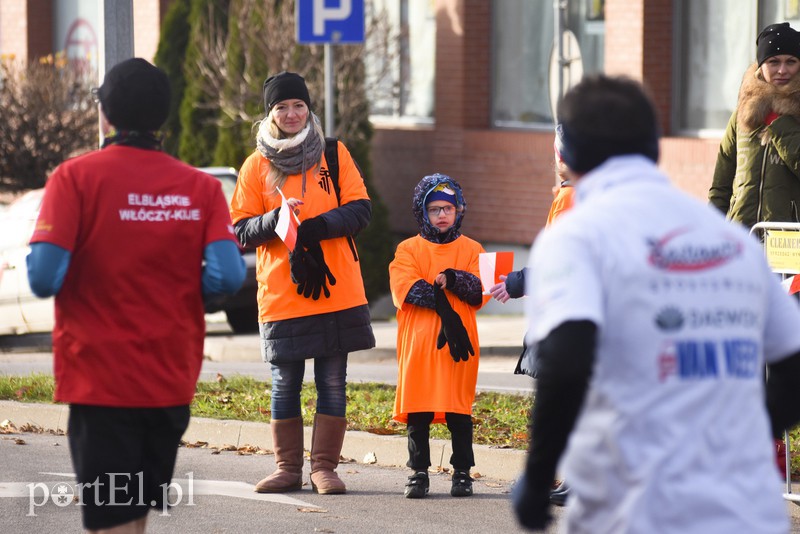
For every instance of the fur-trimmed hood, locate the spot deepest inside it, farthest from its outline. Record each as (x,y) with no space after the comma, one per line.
(758,97)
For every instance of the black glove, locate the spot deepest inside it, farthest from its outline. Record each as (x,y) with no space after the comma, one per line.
(450,277)
(318,275)
(298,265)
(304,271)
(452,331)
(532,507)
(312,231)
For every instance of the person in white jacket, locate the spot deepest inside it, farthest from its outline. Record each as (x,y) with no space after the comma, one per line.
(653,317)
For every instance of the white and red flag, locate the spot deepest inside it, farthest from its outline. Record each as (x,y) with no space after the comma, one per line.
(287,224)
(792,284)
(491,265)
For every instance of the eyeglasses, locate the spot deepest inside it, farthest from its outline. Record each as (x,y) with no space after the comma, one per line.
(434,211)
(94,91)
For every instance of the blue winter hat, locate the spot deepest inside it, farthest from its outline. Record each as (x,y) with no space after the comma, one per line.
(441,192)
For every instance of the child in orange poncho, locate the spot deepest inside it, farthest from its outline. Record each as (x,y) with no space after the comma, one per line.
(436,288)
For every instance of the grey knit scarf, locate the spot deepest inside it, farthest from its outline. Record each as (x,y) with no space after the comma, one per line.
(293,155)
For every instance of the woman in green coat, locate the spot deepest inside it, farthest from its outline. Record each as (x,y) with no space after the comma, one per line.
(757,176)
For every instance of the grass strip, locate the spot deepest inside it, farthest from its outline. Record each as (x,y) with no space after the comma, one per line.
(500,419)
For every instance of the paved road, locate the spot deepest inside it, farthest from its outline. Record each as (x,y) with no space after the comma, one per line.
(374,502)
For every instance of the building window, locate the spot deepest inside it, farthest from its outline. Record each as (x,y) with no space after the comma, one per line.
(522,43)
(715,44)
(401,58)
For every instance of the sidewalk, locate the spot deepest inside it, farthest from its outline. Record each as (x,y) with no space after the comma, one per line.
(500,339)
(499,335)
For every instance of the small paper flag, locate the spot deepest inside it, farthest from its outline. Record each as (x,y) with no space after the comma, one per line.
(492,265)
(792,284)
(286,228)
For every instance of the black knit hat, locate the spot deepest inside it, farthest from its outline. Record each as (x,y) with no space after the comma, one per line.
(283,86)
(776,40)
(135,95)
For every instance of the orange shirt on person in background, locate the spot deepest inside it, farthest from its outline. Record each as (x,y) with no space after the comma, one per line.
(564,198)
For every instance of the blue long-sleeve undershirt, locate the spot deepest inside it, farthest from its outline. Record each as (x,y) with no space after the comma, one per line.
(223,273)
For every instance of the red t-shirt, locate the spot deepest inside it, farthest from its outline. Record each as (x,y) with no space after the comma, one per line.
(129,318)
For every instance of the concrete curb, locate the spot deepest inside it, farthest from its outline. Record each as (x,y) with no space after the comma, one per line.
(363,447)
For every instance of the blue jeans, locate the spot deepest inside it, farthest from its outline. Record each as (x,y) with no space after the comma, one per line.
(330,375)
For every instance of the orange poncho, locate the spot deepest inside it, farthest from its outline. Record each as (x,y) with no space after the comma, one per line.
(428,379)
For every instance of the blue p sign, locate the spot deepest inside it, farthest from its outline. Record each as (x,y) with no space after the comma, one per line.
(330,21)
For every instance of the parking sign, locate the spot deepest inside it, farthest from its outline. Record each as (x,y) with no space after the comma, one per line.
(329,21)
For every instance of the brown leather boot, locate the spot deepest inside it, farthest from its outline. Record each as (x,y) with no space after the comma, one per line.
(326,446)
(287,441)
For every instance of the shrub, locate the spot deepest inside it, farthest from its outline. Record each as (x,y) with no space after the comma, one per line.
(48,116)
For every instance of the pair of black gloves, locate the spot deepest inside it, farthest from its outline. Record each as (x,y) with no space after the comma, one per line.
(307,262)
(452,331)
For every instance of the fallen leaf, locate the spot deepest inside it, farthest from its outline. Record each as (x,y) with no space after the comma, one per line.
(264,411)
(476,474)
(7,427)
(215,451)
(312,510)
(370,458)
(21,392)
(493,485)
(220,378)
(382,431)
(343,460)
(19,441)
(316,529)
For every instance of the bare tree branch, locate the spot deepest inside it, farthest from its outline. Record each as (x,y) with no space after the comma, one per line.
(48,116)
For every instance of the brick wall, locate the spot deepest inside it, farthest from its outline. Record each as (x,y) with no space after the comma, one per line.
(26,28)
(507,176)
(147,17)
(639,45)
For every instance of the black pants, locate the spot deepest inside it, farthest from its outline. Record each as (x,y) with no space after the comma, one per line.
(419,448)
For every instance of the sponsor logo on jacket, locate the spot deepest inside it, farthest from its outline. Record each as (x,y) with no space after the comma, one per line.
(689,250)
(704,359)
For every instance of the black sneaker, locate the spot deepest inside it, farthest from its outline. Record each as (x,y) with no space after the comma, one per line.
(418,485)
(462,484)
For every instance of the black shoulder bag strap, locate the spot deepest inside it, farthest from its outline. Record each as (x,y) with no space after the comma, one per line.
(332,158)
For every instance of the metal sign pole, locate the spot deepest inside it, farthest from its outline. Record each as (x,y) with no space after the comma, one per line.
(116,17)
(330,127)
(559,8)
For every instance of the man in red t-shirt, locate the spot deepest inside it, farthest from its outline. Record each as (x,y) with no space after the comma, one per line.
(129,240)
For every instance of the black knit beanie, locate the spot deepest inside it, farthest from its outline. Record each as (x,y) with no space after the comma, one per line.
(283,86)
(776,40)
(135,95)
